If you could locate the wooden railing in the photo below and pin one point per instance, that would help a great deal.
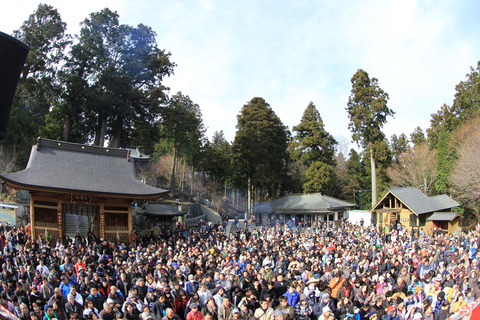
(114, 233)
(47, 229)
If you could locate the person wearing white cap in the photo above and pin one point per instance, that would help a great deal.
(278, 314)
(326, 312)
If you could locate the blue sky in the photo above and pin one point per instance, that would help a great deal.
(294, 52)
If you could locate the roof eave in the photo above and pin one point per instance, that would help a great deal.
(21, 186)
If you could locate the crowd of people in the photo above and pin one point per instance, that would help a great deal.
(323, 272)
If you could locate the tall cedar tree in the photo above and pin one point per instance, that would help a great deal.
(259, 151)
(367, 110)
(466, 106)
(398, 146)
(311, 142)
(417, 137)
(114, 77)
(216, 157)
(314, 150)
(182, 128)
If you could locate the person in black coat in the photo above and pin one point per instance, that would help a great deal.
(159, 307)
(73, 306)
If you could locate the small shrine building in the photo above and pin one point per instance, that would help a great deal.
(76, 188)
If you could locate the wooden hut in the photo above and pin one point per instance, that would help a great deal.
(413, 209)
(76, 188)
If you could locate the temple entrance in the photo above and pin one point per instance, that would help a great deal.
(79, 218)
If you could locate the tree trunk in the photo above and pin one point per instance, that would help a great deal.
(67, 127)
(96, 141)
(183, 176)
(100, 132)
(103, 129)
(374, 177)
(117, 134)
(193, 180)
(172, 177)
(249, 197)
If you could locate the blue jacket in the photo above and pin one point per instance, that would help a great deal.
(293, 298)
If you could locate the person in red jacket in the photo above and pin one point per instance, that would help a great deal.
(194, 314)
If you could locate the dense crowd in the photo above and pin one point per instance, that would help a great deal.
(324, 272)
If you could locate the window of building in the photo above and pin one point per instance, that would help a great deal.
(413, 220)
(422, 220)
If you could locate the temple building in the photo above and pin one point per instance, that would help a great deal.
(301, 210)
(76, 188)
(414, 209)
(160, 214)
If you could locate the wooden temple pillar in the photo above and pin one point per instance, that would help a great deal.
(60, 220)
(102, 221)
(32, 217)
(130, 219)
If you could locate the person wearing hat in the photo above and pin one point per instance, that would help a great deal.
(401, 309)
(145, 315)
(105, 287)
(237, 314)
(417, 316)
(194, 313)
(327, 313)
(50, 314)
(151, 298)
(278, 315)
(391, 313)
(219, 295)
(324, 302)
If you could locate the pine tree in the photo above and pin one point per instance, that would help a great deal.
(367, 110)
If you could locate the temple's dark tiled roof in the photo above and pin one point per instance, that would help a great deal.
(160, 209)
(304, 203)
(69, 167)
